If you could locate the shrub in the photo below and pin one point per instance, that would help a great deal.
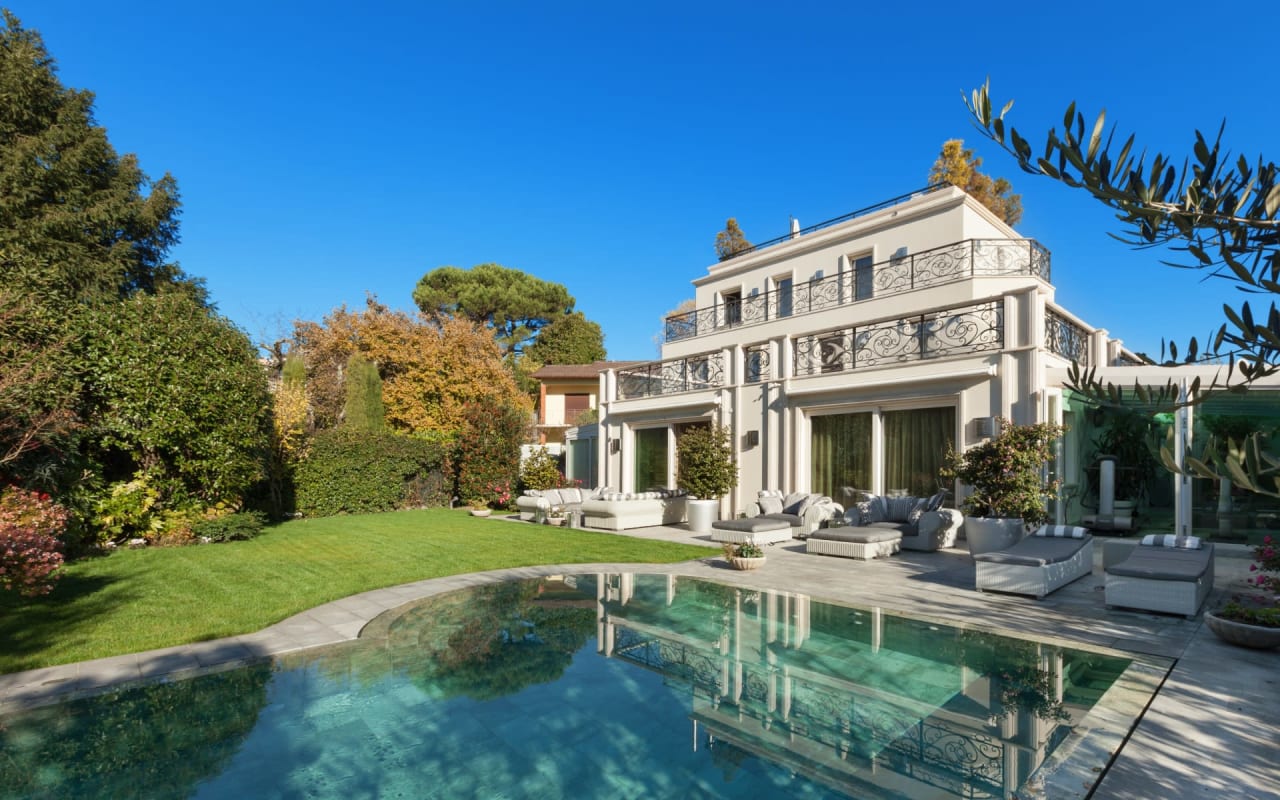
(231, 527)
(704, 462)
(351, 471)
(488, 451)
(541, 471)
(30, 552)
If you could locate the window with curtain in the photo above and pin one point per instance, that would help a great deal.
(651, 459)
(840, 455)
(915, 441)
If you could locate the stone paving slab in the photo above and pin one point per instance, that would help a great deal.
(1210, 732)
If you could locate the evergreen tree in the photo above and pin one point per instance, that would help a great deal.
(363, 410)
(90, 222)
(731, 241)
(570, 339)
(959, 167)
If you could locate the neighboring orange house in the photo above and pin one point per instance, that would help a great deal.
(565, 393)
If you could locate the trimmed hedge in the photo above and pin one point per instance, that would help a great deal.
(352, 472)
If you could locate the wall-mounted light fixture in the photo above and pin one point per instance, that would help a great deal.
(753, 439)
(615, 445)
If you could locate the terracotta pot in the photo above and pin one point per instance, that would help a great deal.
(741, 562)
(1243, 634)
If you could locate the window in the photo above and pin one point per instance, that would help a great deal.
(575, 405)
(783, 293)
(652, 465)
(863, 279)
(732, 307)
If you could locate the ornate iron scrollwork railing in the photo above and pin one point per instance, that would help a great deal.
(1064, 337)
(953, 262)
(756, 363)
(690, 374)
(965, 329)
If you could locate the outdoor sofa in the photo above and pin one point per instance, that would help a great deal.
(619, 511)
(881, 526)
(535, 504)
(1165, 573)
(1039, 564)
(805, 512)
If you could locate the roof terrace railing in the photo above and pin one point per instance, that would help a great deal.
(1066, 338)
(900, 199)
(946, 264)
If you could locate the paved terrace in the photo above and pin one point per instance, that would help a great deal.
(1212, 731)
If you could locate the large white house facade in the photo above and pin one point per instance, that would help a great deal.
(849, 356)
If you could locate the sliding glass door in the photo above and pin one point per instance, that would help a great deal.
(915, 442)
(840, 454)
(651, 466)
(912, 444)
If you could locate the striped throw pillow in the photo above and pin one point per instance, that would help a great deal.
(1062, 532)
(1171, 540)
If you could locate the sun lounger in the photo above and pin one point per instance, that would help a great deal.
(1043, 562)
(1170, 574)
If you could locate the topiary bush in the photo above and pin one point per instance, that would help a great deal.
(240, 526)
(351, 471)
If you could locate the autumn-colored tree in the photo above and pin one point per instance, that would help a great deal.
(430, 369)
(959, 167)
(731, 241)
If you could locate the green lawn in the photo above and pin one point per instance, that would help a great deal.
(135, 600)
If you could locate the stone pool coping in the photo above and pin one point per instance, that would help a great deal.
(1209, 732)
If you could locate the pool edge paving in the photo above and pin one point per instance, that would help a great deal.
(1209, 732)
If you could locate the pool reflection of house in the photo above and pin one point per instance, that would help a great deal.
(849, 355)
(855, 699)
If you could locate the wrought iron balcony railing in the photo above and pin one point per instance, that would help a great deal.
(1064, 337)
(964, 329)
(953, 262)
(693, 373)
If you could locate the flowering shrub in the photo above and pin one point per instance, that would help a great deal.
(30, 552)
(500, 493)
(1259, 609)
(1266, 558)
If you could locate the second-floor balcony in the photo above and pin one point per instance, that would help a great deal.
(954, 262)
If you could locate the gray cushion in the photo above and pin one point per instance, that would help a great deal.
(752, 525)
(904, 528)
(794, 520)
(1035, 551)
(873, 509)
(796, 503)
(770, 504)
(935, 503)
(900, 508)
(857, 535)
(1164, 564)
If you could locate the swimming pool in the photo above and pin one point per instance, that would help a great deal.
(605, 685)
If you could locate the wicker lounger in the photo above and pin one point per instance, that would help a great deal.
(852, 542)
(1171, 580)
(759, 531)
(1035, 566)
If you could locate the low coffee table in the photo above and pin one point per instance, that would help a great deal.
(854, 542)
(754, 530)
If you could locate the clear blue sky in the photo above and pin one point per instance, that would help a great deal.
(326, 150)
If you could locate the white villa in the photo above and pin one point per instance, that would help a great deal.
(848, 356)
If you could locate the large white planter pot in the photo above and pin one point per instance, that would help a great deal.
(987, 534)
(701, 513)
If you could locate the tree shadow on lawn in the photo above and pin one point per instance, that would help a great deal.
(32, 626)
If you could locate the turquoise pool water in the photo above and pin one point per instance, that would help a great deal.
(602, 685)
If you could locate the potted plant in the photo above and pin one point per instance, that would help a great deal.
(555, 515)
(479, 507)
(706, 470)
(1006, 475)
(1253, 621)
(743, 556)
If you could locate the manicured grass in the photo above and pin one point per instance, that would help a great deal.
(134, 600)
